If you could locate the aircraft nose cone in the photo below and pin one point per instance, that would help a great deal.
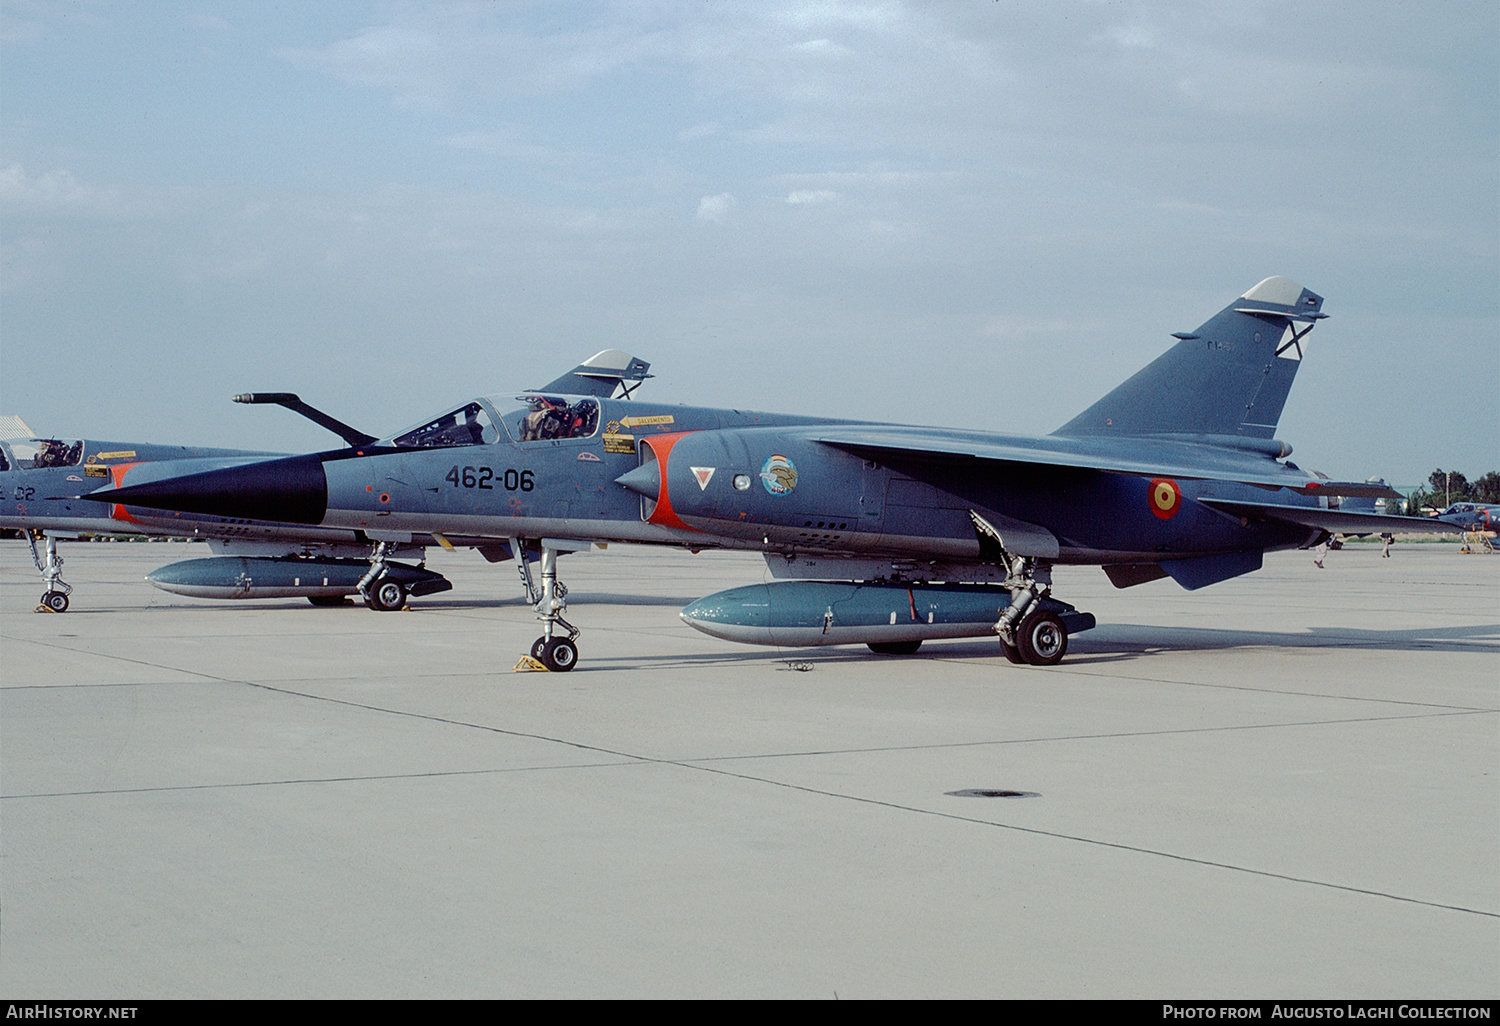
(292, 490)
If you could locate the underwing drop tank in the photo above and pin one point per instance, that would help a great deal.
(251, 577)
(885, 616)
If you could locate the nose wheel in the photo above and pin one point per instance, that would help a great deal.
(558, 654)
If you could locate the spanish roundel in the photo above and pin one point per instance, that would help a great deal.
(1166, 497)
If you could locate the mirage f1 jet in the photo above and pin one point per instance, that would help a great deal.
(881, 534)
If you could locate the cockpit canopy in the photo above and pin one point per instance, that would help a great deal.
(38, 453)
(549, 417)
(467, 425)
(538, 418)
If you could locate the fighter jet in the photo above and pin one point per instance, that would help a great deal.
(1477, 521)
(253, 558)
(881, 534)
(1475, 517)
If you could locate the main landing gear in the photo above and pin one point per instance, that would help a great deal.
(380, 592)
(55, 598)
(1031, 629)
(1029, 633)
(555, 653)
(386, 586)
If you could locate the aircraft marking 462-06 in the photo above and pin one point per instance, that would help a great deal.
(487, 478)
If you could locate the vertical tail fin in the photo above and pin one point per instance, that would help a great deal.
(1230, 377)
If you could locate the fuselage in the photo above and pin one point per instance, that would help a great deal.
(736, 479)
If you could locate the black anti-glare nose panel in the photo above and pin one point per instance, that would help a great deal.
(293, 490)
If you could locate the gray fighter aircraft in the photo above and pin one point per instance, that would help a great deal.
(1472, 516)
(880, 534)
(40, 479)
(252, 559)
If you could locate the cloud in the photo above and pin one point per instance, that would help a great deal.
(716, 209)
(820, 47)
(1022, 327)
(811, 197)
(500, 144)
(1189, 207)
(452, 56)
(57, 193)
(209, 23)
(20, 30)
(703, 131)
(1133, 37)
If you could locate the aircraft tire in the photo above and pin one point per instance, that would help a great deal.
(55, 601)
(894, 647)
(1011, 652)
(387, 596)
(1042, 639)
(538, 647)
(559, 655)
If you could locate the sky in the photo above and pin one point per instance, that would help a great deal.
(965, 212)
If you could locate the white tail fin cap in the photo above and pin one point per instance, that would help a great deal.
(1276, 289)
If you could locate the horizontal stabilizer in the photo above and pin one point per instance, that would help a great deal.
(1352, 489)
(1336, 520)
(1128, 575)
(1197, 573)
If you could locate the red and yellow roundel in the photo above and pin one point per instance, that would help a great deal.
(1166, 497)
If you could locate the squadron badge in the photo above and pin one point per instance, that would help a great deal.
(778, 475)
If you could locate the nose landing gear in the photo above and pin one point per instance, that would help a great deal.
(378, 591)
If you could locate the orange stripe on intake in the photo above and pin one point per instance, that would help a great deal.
(663, 514)
(117, 478)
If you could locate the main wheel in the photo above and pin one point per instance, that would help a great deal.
(55, 601)
(894, 647)
(1042, 639)
(1011, 652)
(387, 595)
(559, 655)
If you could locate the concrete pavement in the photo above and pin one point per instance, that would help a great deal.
(1280, 786)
